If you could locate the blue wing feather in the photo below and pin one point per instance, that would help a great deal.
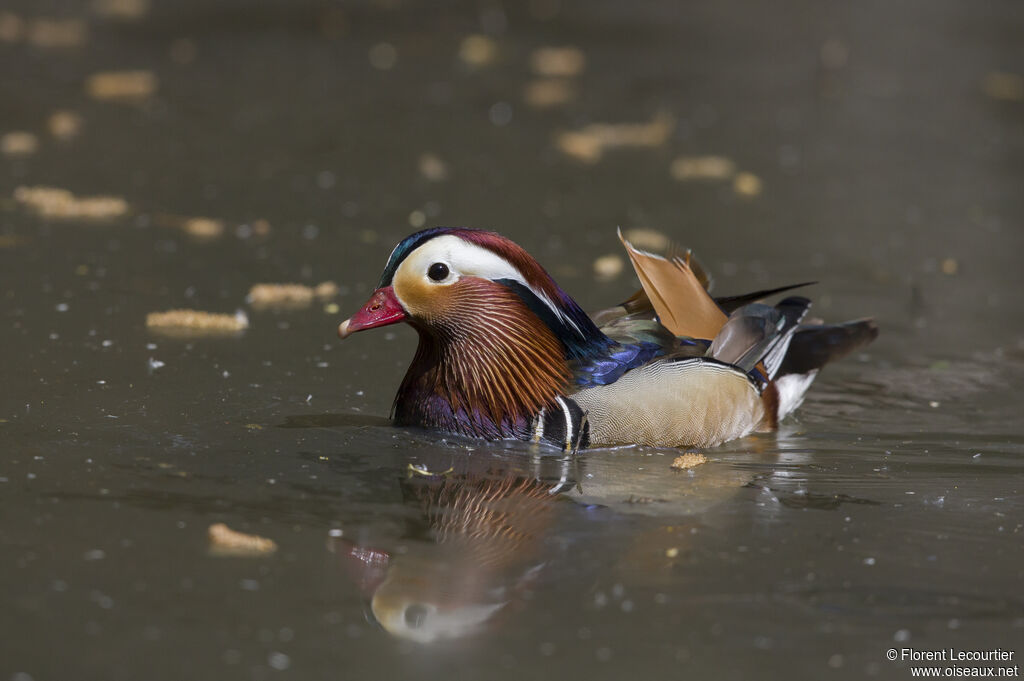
(609, 366)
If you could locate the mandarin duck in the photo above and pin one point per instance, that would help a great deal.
(505, 353)
(486, 533)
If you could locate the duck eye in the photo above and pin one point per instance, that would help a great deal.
(438, 271)
(416, 615)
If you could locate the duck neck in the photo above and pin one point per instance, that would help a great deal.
(488, 376)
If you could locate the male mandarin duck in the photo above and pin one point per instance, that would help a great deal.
(504, 353)
(487, 530)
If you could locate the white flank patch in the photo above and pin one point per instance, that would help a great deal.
(792, 388)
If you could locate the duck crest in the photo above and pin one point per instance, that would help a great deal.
(486, 374)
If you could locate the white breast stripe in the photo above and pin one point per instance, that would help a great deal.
(583, 425)
(538, 432)
(568, 423)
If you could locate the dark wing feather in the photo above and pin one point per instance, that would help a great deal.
(730, 304)
(757, 334)
(814, 345)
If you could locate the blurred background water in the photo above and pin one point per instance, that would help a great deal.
(174, 153)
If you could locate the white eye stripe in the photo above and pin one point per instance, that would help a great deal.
(467, 259)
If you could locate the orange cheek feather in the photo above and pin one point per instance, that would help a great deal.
(423, 300)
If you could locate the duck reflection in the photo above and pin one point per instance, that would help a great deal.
(484, 532)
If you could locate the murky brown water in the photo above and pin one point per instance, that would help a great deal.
(873, 147)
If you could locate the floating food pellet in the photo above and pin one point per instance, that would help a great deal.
(689, 460)
(64, 124)
(183, 51)
(478, 50)
(581, 146)
(260, 227)
(121, 85)
(57, 32)
(558, 61)
(11, 27)
(1005, 86)
(383, 56)
(417, 219)
(548, 92)
(590, 143)
(432, 167)
(51, 202)
(121, 9)
(264, 296)
(950, 266)
(672, 552)
(189, 322)
(834, 54)
(203, 228)
(702, 168)
(18, 144)
(421, 469)
(12, 240)
(326, 290)
(746, 184)
(608, 266)
(227, 542)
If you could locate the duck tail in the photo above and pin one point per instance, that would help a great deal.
(811, 347)
(815, 345)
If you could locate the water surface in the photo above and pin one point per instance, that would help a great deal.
(886, 513)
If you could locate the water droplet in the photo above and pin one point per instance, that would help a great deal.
(501, 114)
(383, 56)
(279, 661)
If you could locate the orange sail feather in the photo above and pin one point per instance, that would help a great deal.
(683, 305)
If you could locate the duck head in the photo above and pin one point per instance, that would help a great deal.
(496, 332)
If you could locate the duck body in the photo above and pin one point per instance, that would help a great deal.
(691, 402)
(504, 353)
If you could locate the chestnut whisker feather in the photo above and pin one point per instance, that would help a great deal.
(498, 364)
